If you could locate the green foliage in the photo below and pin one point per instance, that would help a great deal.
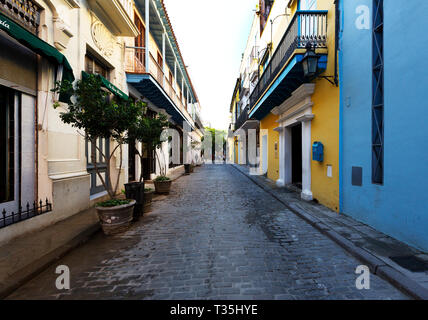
(148, 189)
(112, 203)
(91, 110)
(148, 130)
(214, 136)
(162, 179)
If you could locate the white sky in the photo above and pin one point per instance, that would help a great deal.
(212, 36)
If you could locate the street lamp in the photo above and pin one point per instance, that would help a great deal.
(310, 61)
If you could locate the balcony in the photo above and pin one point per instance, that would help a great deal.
(284, 73)
(156, 84)
(25, 12)
(118, 13)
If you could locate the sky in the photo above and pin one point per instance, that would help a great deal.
(212, 36)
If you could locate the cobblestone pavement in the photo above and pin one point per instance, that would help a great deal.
(216, 236)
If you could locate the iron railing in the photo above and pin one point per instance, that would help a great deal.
(30, 211)
(243, 117)
(24, 12)
(306, 26)
(135, 63)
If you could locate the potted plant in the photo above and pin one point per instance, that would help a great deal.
(162, 182)
(148, 198)
(148, 130)
(91, 110)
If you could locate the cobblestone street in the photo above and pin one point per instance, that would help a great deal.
(216, 236)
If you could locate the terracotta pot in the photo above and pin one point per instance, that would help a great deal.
(148, 198)
(191, 168)
(162, 187)
(116, 219)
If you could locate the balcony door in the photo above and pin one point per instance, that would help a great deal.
(140, 42)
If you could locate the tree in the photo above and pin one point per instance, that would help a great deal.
(148, 131)
(99, 116)
(217, 146)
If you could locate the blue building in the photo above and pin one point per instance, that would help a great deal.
(384, 116)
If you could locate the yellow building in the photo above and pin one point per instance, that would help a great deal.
(297, 108)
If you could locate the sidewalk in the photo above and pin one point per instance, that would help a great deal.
(374, 248)
(26, 256)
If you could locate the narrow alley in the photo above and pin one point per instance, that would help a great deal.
(216, 236)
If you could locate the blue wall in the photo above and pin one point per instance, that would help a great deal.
(400, 206)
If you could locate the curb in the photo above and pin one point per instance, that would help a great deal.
(35, 268)
(376, 265)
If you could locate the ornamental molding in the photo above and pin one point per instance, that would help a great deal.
(102, 38)
(302, 95)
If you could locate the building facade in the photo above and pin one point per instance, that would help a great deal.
(292, 110)
(156, 74)
(54, 40)
(383, 111)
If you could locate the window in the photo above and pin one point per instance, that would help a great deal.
(95, 149)
(7, 143)
(170, 77)
(378, 94)
(265, 8)
(160, 60)
(308, 4)
(95, 67)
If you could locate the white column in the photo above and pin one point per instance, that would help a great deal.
(147, 21)
(306, 160)
(182, 88)
(288, 173)
(163, 57)
(175, 75)
(281, 181)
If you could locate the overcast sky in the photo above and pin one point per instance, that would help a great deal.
(212, 36)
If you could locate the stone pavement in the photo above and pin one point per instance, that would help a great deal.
(216, 236)
(381, 250)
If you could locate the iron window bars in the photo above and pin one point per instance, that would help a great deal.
(378, 95)
(36, 209)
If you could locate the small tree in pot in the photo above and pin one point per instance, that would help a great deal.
(99, 116)
(148, 130)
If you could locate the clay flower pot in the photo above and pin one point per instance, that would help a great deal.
(116, 219)
(162, 187)
(148, 198)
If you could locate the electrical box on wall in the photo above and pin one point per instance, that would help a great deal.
(318, 151)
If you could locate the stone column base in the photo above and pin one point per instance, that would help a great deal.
(307, 195)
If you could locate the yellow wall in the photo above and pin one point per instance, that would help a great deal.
(269, 123)
(325, 125)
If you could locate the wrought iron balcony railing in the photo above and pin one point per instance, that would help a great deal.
(24, 12)
(243, 117)
(306, 26)
(135, 63)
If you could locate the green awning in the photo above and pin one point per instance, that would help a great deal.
(38, 46)
(110, 86)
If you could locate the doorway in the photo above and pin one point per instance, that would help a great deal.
(296, 155)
